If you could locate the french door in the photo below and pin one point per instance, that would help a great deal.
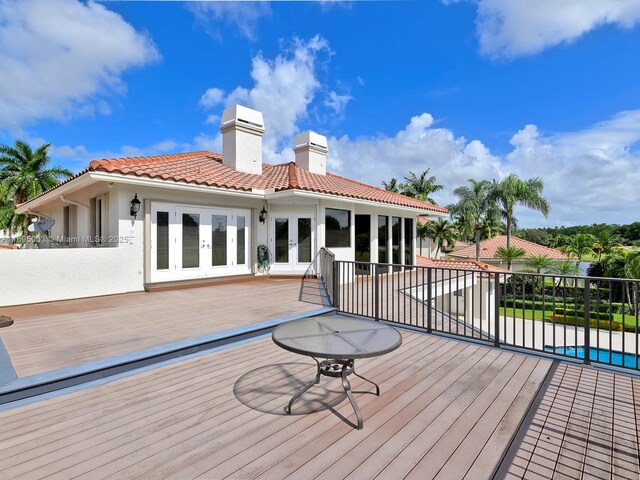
(292, 241)
(196, 242)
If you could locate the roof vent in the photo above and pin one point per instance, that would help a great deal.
(311, 152)
(242, 130)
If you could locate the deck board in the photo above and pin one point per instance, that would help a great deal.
(62, 334)
(586, 426)
(221, 415)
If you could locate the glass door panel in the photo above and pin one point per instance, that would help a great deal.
(304, 240)
(219, 240)
(162, 241)
(190, 240)
(241, 241)
(282, 240)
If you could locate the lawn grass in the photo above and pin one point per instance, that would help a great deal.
(538, 315)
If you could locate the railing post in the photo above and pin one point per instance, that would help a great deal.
(587, 322)
(429, 300)
(376, 292)
(496, 333)
(336, 285)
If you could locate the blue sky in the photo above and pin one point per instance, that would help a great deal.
(470, 89)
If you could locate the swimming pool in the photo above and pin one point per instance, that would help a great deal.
(600, 355)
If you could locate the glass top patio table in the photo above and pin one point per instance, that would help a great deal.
(338, 337)
(341, 340)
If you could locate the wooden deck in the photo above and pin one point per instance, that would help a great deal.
(447, 410)
(585, 426)
(56, 335)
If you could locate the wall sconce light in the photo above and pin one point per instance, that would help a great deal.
(263, 215)
(135, 206)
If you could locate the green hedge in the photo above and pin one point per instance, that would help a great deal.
(579, 322)
(602, 307)
(580, 313)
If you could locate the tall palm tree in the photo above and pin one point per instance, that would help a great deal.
(421, 186)
(513, 191)
(441, 231)
(463, 224)
(9, 220)
(509, 254)
(24, 173)
(392, 185)
(474, 204)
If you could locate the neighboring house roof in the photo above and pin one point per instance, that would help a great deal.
(489, 247)
(206, 168)
(459, 244)
(474, 265)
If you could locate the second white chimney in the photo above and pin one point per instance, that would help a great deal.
(311, 152)
(242, 130)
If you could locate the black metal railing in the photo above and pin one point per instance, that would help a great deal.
(584, 318)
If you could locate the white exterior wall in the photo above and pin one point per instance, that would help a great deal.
(43, 275)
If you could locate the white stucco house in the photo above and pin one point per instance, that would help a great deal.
(203, 215)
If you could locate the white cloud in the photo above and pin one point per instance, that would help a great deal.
(508, 28)
(283, 90)
(338, 103)
(59, 58)
(212, 97)
(415, 148)
(590, 175)
(242, 15)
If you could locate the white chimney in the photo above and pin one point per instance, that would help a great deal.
(242, 130)
(311, 152)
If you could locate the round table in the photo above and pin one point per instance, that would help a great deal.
(340, 340)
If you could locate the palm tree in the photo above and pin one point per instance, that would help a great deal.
(509, 254)
(513, 191)
(24, 173)
(423, 230)
(9, 220)
(421, 186)
(580, 245)
(605, 244)
(539, 263)
(560, 241)
(392, 185)
(441, 231)
(463, 224)
(474, 204)
(565, 268)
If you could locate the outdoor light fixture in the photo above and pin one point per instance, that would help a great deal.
(263, 215)
(135, 206)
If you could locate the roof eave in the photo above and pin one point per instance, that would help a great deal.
(77, 183)
(343, 198)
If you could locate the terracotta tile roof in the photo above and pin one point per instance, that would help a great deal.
(458, 264)
(206, 168)
(488, 249)
(8, 247)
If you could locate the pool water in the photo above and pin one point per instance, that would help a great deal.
(604, 356)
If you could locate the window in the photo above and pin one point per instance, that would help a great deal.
(408, 241)
(219, 240)
(337, 228)
(395, 239)
(162, 241)
(240, 247)
(190, 240)
(383, 238)
(363, 238)
(99, 215)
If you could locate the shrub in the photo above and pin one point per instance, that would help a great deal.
(579, 322)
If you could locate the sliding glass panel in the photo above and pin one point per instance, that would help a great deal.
(304, 240)
(408, 241)
(162, 241)
(219, 240)
(190, 240)
(242, 233)
(395, 241)
(282, 240)
(383, 238)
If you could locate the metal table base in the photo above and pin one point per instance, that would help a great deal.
(337, 369)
